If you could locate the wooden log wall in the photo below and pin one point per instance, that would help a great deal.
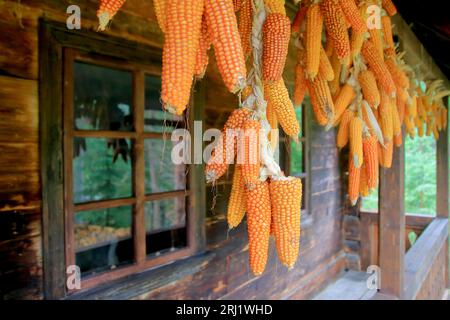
(224, 274)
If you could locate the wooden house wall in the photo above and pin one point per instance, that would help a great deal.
(225, 274)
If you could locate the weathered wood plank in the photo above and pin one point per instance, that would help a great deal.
(392, 225)
(18, 112)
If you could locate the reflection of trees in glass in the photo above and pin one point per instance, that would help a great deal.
(97, 176)
(165, 214)
(102, 98)
(420, 177)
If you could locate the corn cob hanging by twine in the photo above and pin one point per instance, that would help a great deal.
(236, 203)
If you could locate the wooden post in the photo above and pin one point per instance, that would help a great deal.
(442, 192)
(392, 225)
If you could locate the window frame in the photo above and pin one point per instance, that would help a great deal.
(58, 49)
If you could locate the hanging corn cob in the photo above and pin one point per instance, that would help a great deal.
(275, 6)
(245, 26)
(279, 99)
(227, 43)
(179, 57)
(202, 58)
(251, 164)
(369, 88)
(107, 11)
(258, 225)
(286, 197)
(389, 6)
(354, 176)
(352, 15)
(314, 23)
(336, 28)
(160, 11)
(370, 152)
(236, 203)
(276, 31)
(356, 137)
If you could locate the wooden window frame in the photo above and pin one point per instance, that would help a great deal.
(58, 47)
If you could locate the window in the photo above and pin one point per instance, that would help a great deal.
(126, 203)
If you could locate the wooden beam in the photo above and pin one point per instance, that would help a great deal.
(392, 225)
(416, 55)
(442, 172)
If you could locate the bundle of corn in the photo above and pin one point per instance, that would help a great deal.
(107, 10)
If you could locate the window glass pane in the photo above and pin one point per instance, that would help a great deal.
(156, 119)
(420, 175)
(161, 174)
(101, 169)
(103, 239)
(102, 98)
(165, 214)
(165, 223)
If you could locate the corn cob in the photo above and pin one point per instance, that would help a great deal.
(314, 23)
(336, 28)
(277, 33)
(325, 67)
(352, 15)
(273, 122)
(343, 100)
(298, 19)
(356, 137)
(160, 11)
(337, 67)
(323, 95)
(379, 68)
(399, 77)
(371, 160)
(369, 88)
(236, 203)
(252, 164)
(279, 98)
(387, 122)
(328, 46)
(409, 126)
(258, 225)
(217, 166)
(396, 122)
(356, 41)
(354, 176)
(363, 184)
(343, 131)
(389, 6)
(245, 26)
(286, 198)
(275, 6)
(419, 125)
(387, 34)
(227, 43)
(375, 38)
(107, 11)
(179, 56)
(319, 113)
(202, 58)
(300, 86)
(386, 154)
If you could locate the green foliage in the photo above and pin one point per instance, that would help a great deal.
(420, 177)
